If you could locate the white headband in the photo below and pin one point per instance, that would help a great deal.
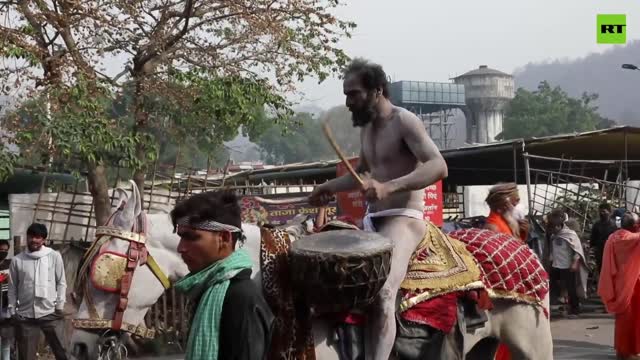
(208, 225)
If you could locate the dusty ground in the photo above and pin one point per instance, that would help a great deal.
(588, 338)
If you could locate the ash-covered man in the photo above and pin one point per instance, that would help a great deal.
(37, 293)
(232, 319)
(399, 160)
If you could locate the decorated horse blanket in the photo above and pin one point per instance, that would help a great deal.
(479, 263)
(510, 270)
(440, 265)
(292, 336)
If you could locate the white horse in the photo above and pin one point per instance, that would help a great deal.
(524, 328)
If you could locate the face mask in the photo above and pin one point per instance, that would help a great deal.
(3, 255)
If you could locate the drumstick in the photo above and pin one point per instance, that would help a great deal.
(334, 145)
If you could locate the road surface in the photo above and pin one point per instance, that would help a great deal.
(588, 338)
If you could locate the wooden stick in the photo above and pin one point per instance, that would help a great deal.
(334, 145)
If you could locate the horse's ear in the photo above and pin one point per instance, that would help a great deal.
(130, 207)
(136, 198)
(123, 198)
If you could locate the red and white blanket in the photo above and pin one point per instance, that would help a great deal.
(509, 268)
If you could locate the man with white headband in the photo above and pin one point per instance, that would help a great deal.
(232, 320)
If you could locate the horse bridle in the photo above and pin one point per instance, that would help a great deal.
(137, 255)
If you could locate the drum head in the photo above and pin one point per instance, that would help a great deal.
(342, 243)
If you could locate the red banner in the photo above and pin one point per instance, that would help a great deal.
(354, 205)
(433, 203)
(256, 213)
(351, 203)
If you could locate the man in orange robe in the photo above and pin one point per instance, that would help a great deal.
(502, 200)
(619, 285)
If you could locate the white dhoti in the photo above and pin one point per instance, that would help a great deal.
(367, 222)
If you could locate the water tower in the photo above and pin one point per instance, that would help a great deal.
(487, 92)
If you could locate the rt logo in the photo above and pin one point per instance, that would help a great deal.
(612, 29)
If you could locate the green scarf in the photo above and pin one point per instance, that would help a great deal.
(210, 285)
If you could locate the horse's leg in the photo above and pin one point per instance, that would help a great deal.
(525, 329)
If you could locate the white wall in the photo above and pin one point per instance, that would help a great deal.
(475, 205)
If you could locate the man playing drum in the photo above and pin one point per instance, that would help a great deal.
(398, 160)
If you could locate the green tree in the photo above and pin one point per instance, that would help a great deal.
(229, 50)
(550, 111)
(303, 141)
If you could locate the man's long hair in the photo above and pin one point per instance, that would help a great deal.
(371, 75)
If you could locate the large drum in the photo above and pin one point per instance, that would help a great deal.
(342, 270)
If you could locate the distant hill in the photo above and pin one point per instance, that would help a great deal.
(619, 89)
(619, 92)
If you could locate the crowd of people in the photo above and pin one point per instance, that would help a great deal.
(614, 241)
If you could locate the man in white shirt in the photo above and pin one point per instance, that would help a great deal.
(37, 291)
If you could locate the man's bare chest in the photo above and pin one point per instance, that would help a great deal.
(383, 146)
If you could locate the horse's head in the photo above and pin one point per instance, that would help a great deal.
(132, 240)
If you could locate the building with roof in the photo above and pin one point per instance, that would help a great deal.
(487, 93)
(481, 94)
(433, 102)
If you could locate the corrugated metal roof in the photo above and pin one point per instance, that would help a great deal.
(485, 164)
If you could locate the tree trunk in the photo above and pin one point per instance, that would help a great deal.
(141, 118)
(138, 177)
(100, 191)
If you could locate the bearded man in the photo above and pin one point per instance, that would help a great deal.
(502, 201)
(400, 161)
(619, 285)
(503, 218)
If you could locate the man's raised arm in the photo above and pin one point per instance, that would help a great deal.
(321, 194)
(431, 165)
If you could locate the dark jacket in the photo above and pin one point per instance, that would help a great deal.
(600, 233)
(4, 266)
(246, 323)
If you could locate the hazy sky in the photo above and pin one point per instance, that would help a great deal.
(436, 40)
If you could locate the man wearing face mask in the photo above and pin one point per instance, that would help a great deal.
(503, 218)
(37, 295)
(6, 333)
